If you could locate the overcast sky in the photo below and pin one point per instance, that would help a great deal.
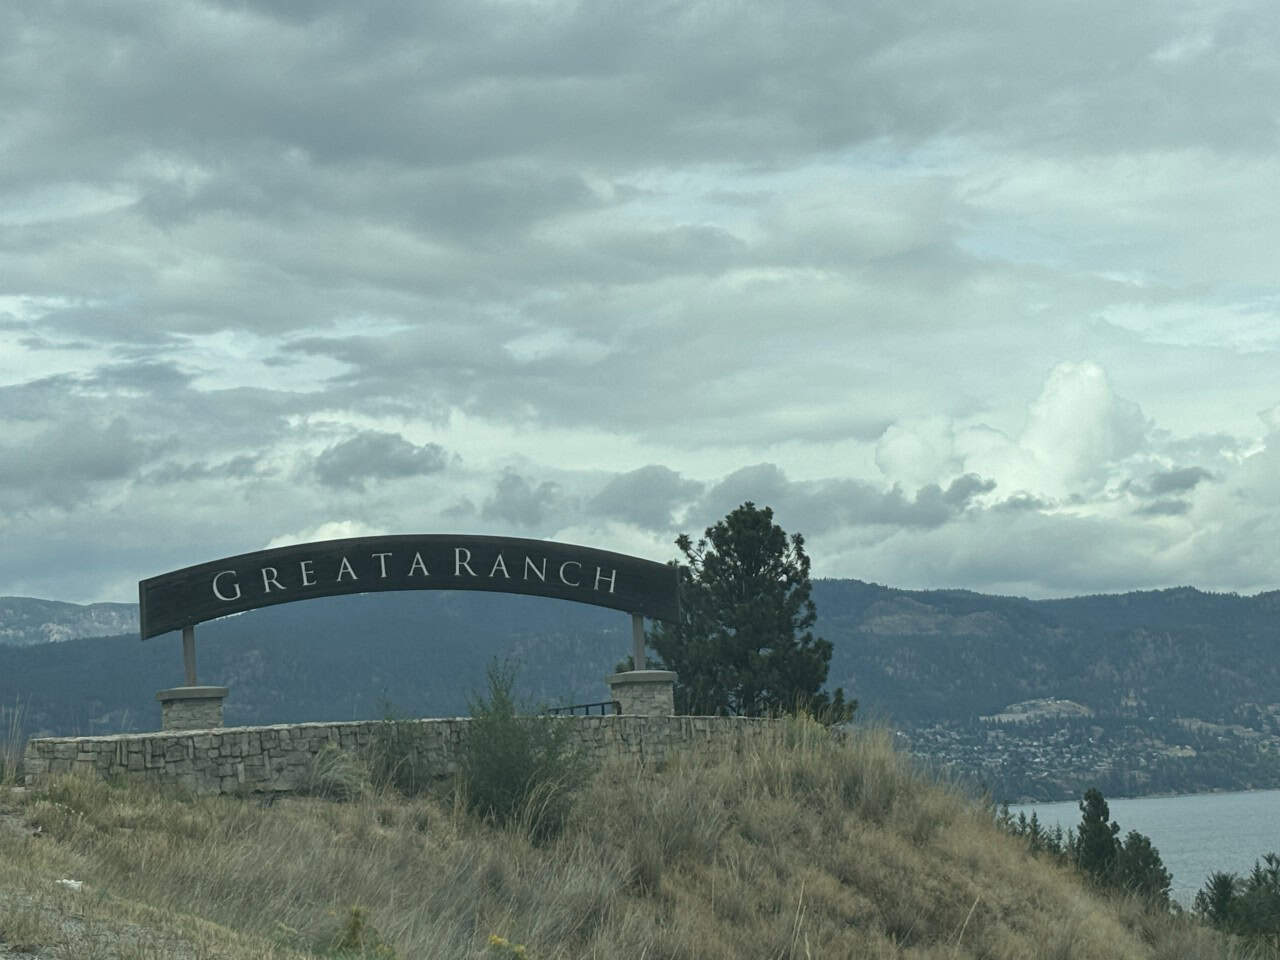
(973, 295)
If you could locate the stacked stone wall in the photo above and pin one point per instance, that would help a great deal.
(644, 693)
(279, 757)
(191, 714)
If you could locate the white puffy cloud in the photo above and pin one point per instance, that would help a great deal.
(1078, 427)
(918, 451)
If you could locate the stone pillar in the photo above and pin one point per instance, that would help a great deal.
(191, 708)
(644, 693)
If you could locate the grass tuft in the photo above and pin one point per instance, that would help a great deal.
(336, 774)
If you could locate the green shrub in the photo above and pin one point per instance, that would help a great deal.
(1248, 906)
(518, 770)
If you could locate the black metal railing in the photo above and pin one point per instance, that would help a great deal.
(606, 707)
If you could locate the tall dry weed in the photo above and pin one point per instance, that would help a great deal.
(13, 742)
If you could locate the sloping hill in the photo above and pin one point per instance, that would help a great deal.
(802, 848)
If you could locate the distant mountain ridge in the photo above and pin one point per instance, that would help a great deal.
(917, 655)
(946, 654)
(1179, 689)
(27, 620)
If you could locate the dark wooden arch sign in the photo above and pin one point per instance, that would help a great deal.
(181, 599)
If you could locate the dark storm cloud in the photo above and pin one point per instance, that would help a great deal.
(1176, 481)
(817, 506)
(961, 490)
(519, 501)
(1021, 501)
(646, 497)
(374, 455)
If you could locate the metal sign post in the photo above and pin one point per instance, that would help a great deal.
(189, 654)
(638, 661)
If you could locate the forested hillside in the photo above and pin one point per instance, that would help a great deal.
(937, 655)
(1177, 688)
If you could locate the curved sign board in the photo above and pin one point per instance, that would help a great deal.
(540, 568)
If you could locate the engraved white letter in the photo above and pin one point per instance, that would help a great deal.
(305, 567)
(542, 574)
(499, 564)
(613, 575)
(268, 578)
(565, 580)
(382, 563)
(459, 561)
(218, 593)
(418, 565)
(346, 566)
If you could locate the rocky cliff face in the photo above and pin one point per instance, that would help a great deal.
(25, 620)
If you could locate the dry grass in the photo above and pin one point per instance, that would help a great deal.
(802, 848)
(12, 743)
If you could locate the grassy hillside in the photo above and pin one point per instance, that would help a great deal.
(803, 848)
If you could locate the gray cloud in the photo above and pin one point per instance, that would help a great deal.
(373, 455)
(62, 464)
(581, 237)
(237, 468)
(646, 497)
(1021, 501)
(36, 342)
(818, 506)
(1176, 481)
(519, 501)
(1164, 508)
(507, 81)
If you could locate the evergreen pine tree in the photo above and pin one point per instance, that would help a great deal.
(744, 644)
(1096, 843)
(1139, 870)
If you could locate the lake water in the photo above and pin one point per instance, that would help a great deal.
(1195, 834)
